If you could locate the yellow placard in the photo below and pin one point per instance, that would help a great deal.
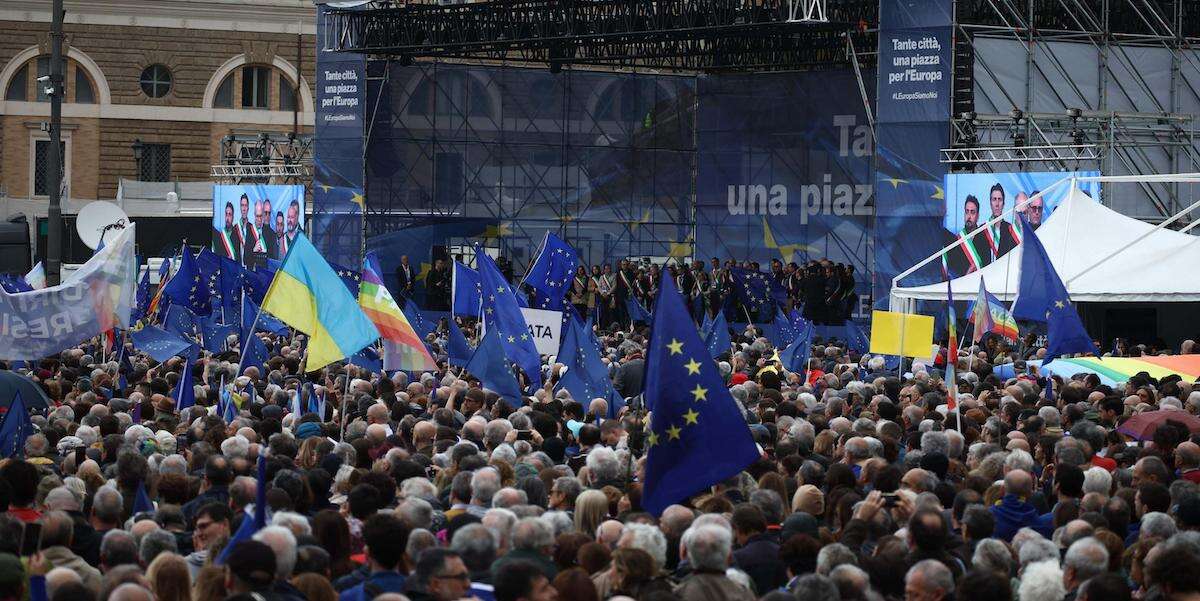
(904, 334)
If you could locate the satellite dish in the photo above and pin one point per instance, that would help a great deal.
(98, 218)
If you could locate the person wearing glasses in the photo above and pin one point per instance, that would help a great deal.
(441, 575)
(1035, 210)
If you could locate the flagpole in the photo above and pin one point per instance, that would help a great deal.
(345, 400)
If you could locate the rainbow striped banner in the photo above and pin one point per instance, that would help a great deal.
(1117, 370)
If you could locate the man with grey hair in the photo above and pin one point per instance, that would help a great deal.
(815, 587)
(708, 549)
(508, 497)
(603, 467)
(532, 542)
(57, 533)
(154, 543)
(484, 484)
(477, 546)
(832, 556)
(1086, 558)
(1042, 581)
(416, 513)
(117, 548)
(852, 582)
(283, 543)
(928, 580)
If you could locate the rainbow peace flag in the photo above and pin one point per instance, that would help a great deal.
(308, 295)
(1116, 370)
(989, 315)
(403, 348)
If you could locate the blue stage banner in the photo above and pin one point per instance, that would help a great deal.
(784, 169)
(912, 126)
(338, 194)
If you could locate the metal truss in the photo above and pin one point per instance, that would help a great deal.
(265, 157)
(1135, 123)
(680, 35)
(1021, 154)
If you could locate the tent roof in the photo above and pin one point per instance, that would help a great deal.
(1098, 255)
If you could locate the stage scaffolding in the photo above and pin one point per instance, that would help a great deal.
(1108, 85)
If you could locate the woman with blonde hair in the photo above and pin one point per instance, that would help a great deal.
(169, 578)
(307, 455)
(591, 508)
(209, 584)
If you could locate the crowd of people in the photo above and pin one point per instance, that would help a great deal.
(428, 486)
(824, 290)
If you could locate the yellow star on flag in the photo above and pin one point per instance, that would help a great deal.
(425, 269)
(511, 340)
(691, 416)
(1059, 304)
(359, 200)
(325, 188)
(652, 439)
(676, 347)
(693, 367)
(700, 393)
(673, 432)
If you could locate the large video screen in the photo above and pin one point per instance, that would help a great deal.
(253, 223)
(974, 198)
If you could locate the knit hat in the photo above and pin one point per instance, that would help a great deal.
(308, 430)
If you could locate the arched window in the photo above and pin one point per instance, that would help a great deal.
(24, 86)
(255, 86)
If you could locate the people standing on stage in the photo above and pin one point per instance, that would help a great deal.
(578, 294)
(606, 286)
(699, 297)
(437, 287)
(404, 280)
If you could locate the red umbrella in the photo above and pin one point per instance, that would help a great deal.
(1143, 425)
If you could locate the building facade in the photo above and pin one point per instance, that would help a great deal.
(163, 80)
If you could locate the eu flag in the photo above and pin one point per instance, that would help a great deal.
(417, 320)
(254, 352)
(552, 272)
(717, 339)
(256, 282)
(1041, 296)
(757, 290)
(637, 313)
(188, 286)
(787, 327)
(350, 277)
(586, 377)
(15, 427)
(465, 295)
(215, 334)
(250, 526)
(698, 437)
(369, 359)
(184, 393)
(143, 297)
(266, 322)
(183, 322)
(457, 349)
(159, 343)
(502, 312)
(794, 356)
(490, 364)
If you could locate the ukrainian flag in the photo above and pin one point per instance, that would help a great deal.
(308, 295)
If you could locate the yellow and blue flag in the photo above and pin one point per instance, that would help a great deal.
(698, 437)
(308, 295)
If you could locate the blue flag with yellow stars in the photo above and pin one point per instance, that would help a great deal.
(1042, 296)
(188, 286)
(15, 427)
(587, 377)
(551, 273)
(502, 311)
(457, 350)
(717, 339)
(757, 290)
(490, 364)
(698, 437)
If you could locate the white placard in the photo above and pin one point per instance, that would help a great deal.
(546, 329)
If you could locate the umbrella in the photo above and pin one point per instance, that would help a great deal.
(1143, 425)
(31, 394)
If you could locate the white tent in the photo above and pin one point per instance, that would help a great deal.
(1101, 256)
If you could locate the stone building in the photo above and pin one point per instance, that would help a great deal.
(165, 80)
